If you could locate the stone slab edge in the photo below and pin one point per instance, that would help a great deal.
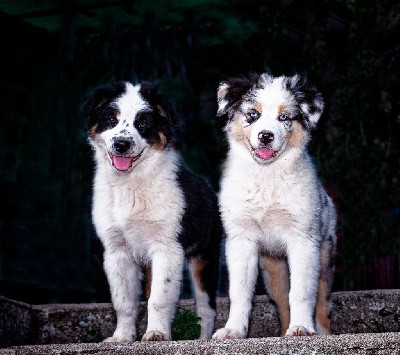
(374, 311)
(355, 344)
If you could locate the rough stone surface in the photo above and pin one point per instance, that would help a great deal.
(15, 323)
(376, 311)
(354, 344)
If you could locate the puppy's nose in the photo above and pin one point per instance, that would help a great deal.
(122, 146)
(265, 137)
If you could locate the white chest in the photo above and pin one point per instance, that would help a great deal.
(139, 212)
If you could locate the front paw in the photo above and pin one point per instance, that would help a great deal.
(119, 339)
(299, 330)
(155, 335)
(227, 333)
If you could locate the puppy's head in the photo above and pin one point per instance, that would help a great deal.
(268, 115)
(127, 122)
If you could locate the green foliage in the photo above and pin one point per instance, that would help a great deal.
(185, 326)
(92, 334)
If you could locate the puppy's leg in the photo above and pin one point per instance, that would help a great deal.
(242, 261)
(323, 308)
(204, 278)
(123, 275)
(166, 277)
(276, 277)
(304, 266)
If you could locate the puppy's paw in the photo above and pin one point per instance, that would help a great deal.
(299, 330)
(227, 333)
(119, 339)
(154, 335)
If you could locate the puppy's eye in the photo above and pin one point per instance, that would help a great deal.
(283, 116)
(113, 121)
(142, 124)
(252, 116)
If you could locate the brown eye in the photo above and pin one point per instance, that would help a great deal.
(113, 121)
(142, 124)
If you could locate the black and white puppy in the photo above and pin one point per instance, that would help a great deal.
(274, 209)
(149, 211)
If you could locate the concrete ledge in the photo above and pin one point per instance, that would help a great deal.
(376, 311)
(360, 344)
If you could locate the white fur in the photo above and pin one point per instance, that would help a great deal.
(137, 216)
(138, 220)
(271, 207)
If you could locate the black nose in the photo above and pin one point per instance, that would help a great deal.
(265, 137)
(122, 146)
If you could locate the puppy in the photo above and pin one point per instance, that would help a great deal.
(149, 211)
(274, 210)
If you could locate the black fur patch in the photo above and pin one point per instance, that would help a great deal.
(304, 93)
(97, 106)
(201, 228)
(161, 119)
(237, 88)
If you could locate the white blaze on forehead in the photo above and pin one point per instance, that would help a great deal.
(270, 101)
(130, 102)
(128, 105)
(273, 96)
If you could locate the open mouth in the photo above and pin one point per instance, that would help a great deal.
(124, 163)
(264, 153)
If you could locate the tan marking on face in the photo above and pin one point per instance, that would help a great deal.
(92, 131)
(198, 266)
(281, 108)
(278, 287)
(297, 137)
(148, 278)
(258, 107)
(239, 133)
(160, 145)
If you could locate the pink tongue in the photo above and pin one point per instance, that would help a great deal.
(122, 163)
(265, 153)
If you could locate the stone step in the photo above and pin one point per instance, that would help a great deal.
(375, 311)
(345, 344)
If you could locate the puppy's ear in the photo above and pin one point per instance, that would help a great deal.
(161, 102)
(310, 101)
(222, 100)
(232, 91)
(101, 97)
(94, 101)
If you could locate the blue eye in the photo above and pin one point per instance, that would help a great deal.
(283, 117)
(252, 116)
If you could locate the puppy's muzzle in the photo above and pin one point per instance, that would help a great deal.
(122, 145)
(265, 137)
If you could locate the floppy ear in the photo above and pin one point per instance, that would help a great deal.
(161, 102)
(100, 97)
(231, 92)
(222, 100)
(310, 101)
(94, 101)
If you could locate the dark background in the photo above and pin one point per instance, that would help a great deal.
(53, 53)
